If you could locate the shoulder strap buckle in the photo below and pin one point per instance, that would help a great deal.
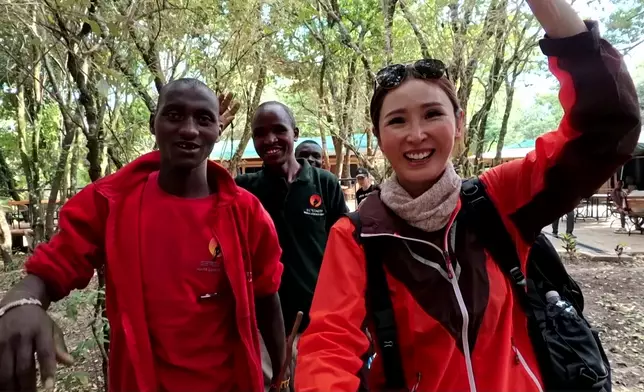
(518, 277)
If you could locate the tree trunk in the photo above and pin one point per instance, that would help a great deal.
(459, 27)
(94, 157)
(100, 326)
(64, 186)
(494, 84)
(368, 122)
(6, 261)
(7, 179)
(480, 118)
(322, 109)
(338, 144)
(495, 22)
(422, 42)
(344, 125)
(56, 184)
(21, 122)
(250, 112)
(73, 165)
(37, 217)
(389, 9)
(467, 80)
(79, 69)
(466, 76)
(509, 99)
(346, 165)
(33, 187)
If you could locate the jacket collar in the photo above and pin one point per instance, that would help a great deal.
(377, 218)
(121, 183)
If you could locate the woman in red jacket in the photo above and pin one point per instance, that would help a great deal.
(459, 326)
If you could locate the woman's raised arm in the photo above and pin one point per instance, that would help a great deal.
(597, 134)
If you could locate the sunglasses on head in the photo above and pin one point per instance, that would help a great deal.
(393, 75)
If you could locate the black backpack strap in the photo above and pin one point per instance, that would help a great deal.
(380, 307)
(488, 225)
(354, 217)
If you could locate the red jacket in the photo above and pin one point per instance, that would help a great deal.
(99, 227)
(459, 325)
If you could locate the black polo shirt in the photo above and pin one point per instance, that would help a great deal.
(362, 194)
(303, 213)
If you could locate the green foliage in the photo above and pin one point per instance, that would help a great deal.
(619, 249)
(223, 43)
(626, 23)
(570, 246)
(540, 117)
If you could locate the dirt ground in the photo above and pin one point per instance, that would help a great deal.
(614, 297)
(614, 305)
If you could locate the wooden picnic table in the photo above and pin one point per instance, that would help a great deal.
(635, 201)
(19, 215)
(590, 207)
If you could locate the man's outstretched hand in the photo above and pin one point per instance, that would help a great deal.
(26, 330)
(228, 108)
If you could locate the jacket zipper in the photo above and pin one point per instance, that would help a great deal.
(456, 289)
(415, 387)
(461, 304)
(523, 363)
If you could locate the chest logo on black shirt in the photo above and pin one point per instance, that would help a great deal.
(315, 201)
(315, 206)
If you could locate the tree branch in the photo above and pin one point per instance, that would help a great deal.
(424, 47)
(347, 40)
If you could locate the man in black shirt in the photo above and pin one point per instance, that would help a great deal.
(570, 225)
(366, 187)
(311, 151)
(303, 201)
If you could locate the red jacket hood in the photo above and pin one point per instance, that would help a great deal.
(120, 183)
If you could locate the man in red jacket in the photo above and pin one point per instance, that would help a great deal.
(191, 260)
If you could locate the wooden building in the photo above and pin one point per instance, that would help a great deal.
(632, 171)
(251, 162)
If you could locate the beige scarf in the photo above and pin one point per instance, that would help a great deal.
(430, 211)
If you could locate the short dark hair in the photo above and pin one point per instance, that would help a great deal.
(288, 111)
(309, 141)
(190, 82)
(304, 143)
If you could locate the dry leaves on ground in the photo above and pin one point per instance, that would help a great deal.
(614, 306)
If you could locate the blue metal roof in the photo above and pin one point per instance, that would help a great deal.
(528, 143)
(225, 149)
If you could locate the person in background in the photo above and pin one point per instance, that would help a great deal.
(303, 201)
(570, 225)
(179, 242)
(630, 184)
(620, 198)
(458, 326)
(365, 184)
(311, 151)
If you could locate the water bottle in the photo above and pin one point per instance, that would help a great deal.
(554, 299)
(370, 360)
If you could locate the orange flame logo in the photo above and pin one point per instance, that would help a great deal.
(315, 201)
